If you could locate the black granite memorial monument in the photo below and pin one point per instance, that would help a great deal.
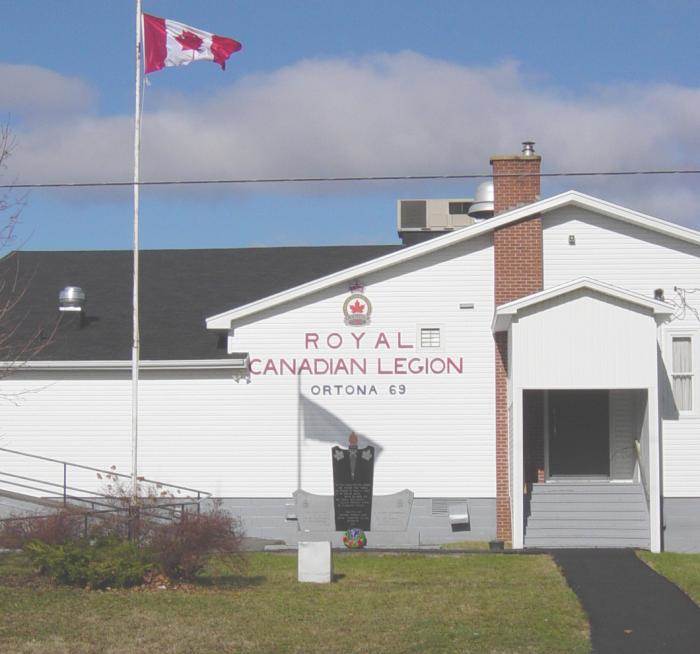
(353, 477)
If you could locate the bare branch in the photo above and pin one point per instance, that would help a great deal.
(21, 339)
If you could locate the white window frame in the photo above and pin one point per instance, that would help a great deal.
(429, 348)
(694, 337)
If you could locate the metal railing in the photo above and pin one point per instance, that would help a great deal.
(66, 464)
(160, 505)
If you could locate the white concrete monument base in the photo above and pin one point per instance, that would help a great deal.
(315, 562)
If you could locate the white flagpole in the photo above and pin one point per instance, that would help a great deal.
(135, 350)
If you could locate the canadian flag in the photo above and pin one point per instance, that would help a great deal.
(169, 43)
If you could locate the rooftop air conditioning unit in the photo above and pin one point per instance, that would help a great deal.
(433, 215)
(420, 220)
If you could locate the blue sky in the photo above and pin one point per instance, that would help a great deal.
(325, 88)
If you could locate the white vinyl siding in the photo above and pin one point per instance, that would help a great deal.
(626, 418)
(438, 437)
(682, 372)
(584, 339)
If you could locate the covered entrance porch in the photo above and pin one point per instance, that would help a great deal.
(583, 434)
(583, 444)
(582, 468)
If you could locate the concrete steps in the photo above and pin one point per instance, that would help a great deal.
(588, 541)
(590, 489)
(586, 514)
(546, 524)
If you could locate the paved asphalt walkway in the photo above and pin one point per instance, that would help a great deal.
(631, 608)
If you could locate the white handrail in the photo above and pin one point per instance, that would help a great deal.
(642, 473)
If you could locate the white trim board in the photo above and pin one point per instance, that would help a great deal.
(569, 198)
(184, 364)
(505, 312)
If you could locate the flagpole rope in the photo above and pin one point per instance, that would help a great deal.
(365, 178)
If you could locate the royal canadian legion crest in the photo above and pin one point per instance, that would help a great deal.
(357, 308)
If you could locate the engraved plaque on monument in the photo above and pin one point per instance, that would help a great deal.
(314, 512)
(392, 512)
(353, 475)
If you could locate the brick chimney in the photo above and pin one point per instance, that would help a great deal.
(517, 246)
(511, 191)
(517, 273)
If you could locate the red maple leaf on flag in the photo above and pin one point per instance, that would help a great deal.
(189, 40)
(357, 307)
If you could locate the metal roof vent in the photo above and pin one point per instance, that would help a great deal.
(482, 207)
(71, 298)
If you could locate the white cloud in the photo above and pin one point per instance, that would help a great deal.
(31, 91)
(384, 114)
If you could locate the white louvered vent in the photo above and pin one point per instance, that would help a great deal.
(441, 505)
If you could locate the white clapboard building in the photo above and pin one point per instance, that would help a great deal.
(526, 369)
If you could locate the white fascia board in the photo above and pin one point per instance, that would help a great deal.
(505, 312)
(568, 198)
(166, 364)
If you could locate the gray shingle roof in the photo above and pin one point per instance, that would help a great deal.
(179, 289)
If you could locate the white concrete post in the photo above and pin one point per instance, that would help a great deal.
(517, 519)
(654, 469)
(315, 563)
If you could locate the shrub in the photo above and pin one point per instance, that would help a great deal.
(182, 549)
(55, 528)
(101, 563)
(100, 555)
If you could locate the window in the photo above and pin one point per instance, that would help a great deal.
(430, 337)
(682, 372)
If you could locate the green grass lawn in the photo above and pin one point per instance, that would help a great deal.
(682, 569)
(466, 545)
(379, 603)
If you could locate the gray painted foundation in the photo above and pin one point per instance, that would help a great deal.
(681, 519)
(268, 518)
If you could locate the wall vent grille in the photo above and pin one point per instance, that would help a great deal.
(441, 505)
(413, 214)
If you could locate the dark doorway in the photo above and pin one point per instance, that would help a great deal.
(579, 433)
